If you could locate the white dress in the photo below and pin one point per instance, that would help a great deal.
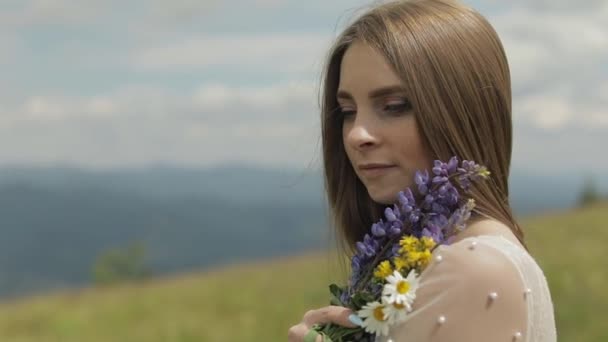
(480, 289)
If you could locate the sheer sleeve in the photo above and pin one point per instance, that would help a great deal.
(470, 292)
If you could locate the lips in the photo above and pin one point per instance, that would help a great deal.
(372, 166)
(375, 170)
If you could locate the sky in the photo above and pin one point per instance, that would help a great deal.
(108, 83)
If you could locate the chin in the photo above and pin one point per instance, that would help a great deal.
(385, 198)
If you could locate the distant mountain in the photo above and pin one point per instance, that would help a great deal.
(232, 182)
(55, 221)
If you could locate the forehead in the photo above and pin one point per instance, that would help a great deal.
(364, 68)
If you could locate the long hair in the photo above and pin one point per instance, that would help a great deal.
(452, 63)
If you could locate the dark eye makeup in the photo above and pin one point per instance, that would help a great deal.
(398, 107)
(393, 107)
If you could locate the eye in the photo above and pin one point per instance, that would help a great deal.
(346, 111)
(398, 106)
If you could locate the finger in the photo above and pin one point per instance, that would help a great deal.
(329, 314)
(297, 333)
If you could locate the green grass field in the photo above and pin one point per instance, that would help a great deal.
(260, 301)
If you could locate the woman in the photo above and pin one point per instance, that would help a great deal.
(409, 82)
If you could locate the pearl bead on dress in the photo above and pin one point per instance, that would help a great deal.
(441, 319)
(493, 295)
(473, 245)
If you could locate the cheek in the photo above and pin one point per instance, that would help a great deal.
(410, 147)
(345, 142)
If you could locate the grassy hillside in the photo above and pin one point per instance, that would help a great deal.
(259, 301)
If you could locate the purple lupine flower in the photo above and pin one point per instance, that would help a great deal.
(439, 208)
(390, 215)
(378, 230)
(441, 221)
(361, 247)
(457, 220)
(422, 180)
(440, 179)
(440, 168)
(407, 209)
(433, 232)
(410, 196)
(452, 164)
(403, 200)
(407, 201)
(397, 213)
(467, 166)
(415, 215)
(356, 264)
(470, 171)
(395, 229)
(369, 246)
(452, 196)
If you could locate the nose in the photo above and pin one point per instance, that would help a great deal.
(361, 134)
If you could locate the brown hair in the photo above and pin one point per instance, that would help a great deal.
(453, 65)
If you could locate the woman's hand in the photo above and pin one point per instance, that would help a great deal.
(329, 314)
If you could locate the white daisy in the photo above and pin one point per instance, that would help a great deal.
(397, 313)
(401, 290)
(375, 318)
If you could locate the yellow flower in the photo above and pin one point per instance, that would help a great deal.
(428, 242)
(383, 270)
(400, 263)
(483, 172)
(408, 242)
(424, 258)
(413, 257)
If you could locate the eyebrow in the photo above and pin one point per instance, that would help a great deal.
(343, 94)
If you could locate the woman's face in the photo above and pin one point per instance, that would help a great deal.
(379, 132)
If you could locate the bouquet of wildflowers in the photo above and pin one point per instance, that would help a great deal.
(388, 263)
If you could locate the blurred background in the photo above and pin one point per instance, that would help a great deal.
(160, 167)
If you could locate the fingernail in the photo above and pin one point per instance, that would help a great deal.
(355, 320)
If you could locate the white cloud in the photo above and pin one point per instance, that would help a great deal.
(555, 5)
(277, 124)
(294, 101)
(272, 52)
(11, 47)
(555, 57)
(565, 149)
(599, 118)
(558, 108)
(543, 44)
(547, 112)
(179, 10)
(54, 12)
